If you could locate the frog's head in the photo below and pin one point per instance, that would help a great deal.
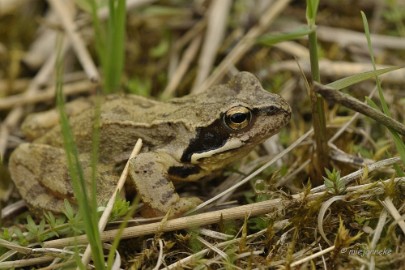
(238, 116)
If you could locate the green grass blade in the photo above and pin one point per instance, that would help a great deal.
(121, 228)
(115, 45)
(397, 139)
(311, 11)
(95, 147)
(356, 78)
(271, 39)
(98, 32)
(87, 210)
(110, 44)
(400, 145)
(371, 52)
(317, 104)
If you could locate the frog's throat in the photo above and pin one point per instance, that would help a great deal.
(229, 145)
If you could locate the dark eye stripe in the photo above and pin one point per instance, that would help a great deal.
(207, 138)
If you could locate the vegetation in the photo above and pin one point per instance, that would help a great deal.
(326, 192)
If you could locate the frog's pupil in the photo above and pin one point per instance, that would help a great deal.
(238, 117)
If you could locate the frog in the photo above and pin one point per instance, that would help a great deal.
(185, 139)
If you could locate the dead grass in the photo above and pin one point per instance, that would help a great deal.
(265, 215)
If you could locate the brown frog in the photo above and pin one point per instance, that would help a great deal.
(185, 139)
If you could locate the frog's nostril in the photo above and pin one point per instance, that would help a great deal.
(271, 110)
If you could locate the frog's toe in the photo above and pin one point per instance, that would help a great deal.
(184, 205)
(177, 209)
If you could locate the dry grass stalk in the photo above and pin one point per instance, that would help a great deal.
(345, 37)
(361, 107)
(217, 18)
(198, 220)
(201, 253)
(338, 69)
(77, 42)
(188, 56)
(46, 95)
(245, 43)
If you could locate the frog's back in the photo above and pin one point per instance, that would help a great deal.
(123, 108)
(124, 119)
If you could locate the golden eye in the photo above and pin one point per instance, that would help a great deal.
(237, 118)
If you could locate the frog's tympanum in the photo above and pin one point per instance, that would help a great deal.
(184, 139)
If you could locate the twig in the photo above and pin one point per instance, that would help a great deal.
(47, 94)
(346, 37)
(15, 247)
(313, 256)
(294, 49)
(239, 212)
(11, 210)
(188, 56)
(180, 43)
(358, 106)
(25, 262)
(376, 236)
(394, 213)
(82, 53)
(354, 175)
(160, 258)
(337, 69)
(213, 248)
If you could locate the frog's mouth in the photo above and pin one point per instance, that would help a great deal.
(230, 144)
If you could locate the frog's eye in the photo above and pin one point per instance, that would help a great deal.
(237, 118)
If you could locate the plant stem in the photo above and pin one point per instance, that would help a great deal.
(317, 104)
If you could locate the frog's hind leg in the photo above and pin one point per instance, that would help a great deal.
(32, 164)
(149, 173)
(41, 175)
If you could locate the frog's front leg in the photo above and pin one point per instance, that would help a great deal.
(149, 173)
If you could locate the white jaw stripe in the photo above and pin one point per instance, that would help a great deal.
(229, 145)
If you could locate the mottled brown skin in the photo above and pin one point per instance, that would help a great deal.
(184, 139)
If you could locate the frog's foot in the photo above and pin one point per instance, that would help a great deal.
(184, 205)
(177, 209)
(149, 173)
